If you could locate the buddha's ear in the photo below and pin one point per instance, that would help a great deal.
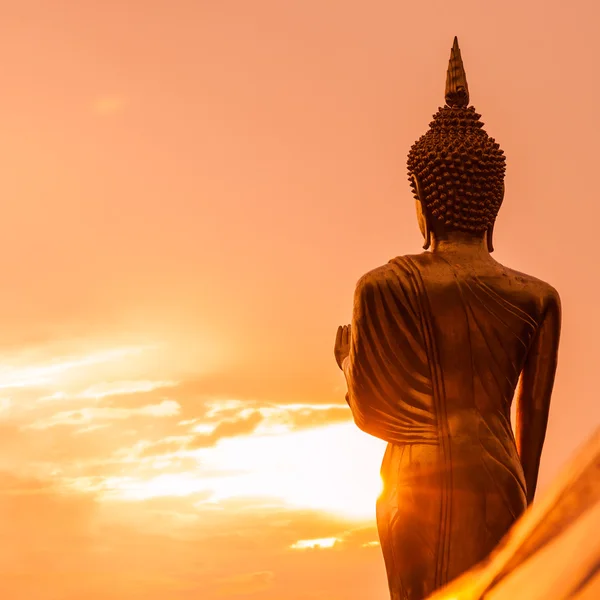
(422, 214)
(490, 238)
(418, 188)
(490, 231)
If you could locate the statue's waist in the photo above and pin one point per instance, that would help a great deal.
(472, 424)
(458, 427)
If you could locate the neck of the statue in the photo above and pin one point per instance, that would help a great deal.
(458, 242)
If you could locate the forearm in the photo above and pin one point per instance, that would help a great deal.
(346, 367)
(359, 409)
(363, 411)
(531, 433)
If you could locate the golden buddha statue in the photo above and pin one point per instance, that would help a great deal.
(439, 345)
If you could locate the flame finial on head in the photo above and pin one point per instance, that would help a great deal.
(457, 90)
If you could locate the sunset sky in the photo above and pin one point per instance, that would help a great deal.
(190, 191)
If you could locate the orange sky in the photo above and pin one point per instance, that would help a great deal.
(190, 191)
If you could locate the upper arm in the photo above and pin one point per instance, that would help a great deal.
(537, 377)
(362, 293)
(363, 287)
(535, 391)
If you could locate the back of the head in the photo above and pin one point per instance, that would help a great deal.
(456, 170)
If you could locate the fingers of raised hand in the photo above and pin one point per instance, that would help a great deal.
(339, 336)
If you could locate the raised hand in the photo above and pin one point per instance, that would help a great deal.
(342, 344)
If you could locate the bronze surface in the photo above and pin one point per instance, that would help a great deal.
(439, 345)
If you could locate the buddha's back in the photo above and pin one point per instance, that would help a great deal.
(484, 319)
(478, 323)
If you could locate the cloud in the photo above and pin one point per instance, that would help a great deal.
(215, 408)
(363, 537)
(98, 391)
(314, 415)
(228, 428)
(167, 408)
(249, 387)
(49, 372)
(90, 428)
(164, 447)
(226, 419)
(318, 543)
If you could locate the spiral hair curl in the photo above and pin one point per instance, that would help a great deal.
(460, 168)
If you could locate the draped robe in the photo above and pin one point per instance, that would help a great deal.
(435, 357)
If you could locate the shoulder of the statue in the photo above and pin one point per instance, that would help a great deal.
(405, 266)
(552, 303)
(548, 295)
(394, 272)
(372, 278)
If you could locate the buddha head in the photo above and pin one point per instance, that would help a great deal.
(456, 171)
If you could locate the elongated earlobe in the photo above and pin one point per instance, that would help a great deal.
(427, 232)
(422, 214)
(490, 238)
(490, 231)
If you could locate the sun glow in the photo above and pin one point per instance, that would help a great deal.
(333, 468)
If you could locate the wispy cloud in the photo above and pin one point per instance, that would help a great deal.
(318, 543)
(162, 448)
(354, 537)
(217, 407)
(275, 418)
(234, 418)
(243, 425)
(105, 389)
(44, 374)
(91, 428)
(167, 408)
